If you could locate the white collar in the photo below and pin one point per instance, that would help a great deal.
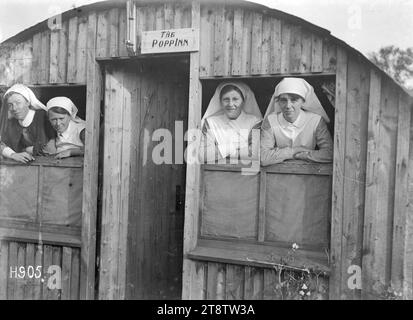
(299, 122)
(240, 119)
(28, 119)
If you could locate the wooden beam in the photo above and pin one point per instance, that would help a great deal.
(402, 263)
(90, 167)
(370, 208)
(193, 274)
(358, 87)
(338, 175)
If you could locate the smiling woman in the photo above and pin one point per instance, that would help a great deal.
(231, 116)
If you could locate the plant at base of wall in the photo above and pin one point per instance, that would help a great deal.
(298, 283)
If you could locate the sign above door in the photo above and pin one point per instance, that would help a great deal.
(170, 40)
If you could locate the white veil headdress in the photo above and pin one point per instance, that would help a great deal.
(28, 94)
(302, 88)
(67, 104)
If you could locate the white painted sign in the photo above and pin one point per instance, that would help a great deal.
(172, 40)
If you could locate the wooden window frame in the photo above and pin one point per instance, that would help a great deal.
(259, 252)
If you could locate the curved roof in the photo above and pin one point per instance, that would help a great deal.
(102, 5)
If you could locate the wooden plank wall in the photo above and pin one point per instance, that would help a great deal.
(18, 254)
(227, 36)
(370, 183)
(238, 282)
(238, 42)
(60, 56)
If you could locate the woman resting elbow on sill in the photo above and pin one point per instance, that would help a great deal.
(24, 128)
(70, 129)
(294, 125)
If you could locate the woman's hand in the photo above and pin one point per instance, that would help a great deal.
(22, 157)
(63, 154)
(302, 155)
(29, 150)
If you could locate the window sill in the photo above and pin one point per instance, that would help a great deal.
(71, 162)
(259, 255)
(289, 167)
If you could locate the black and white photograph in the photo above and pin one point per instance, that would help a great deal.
(182, 150)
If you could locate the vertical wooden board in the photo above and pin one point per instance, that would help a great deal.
(386, 183)
(21, 262)
(81, 48)
(236, 42)
(306, 51)
(54, 55)
(35, 72)
(369, 273)
(18, 62)
(285, 47)
(63, 53)
(140, 26)
(150, 18)
(27, 60)
(3, 68)
(316, 53)
(219, 41)
(169, 15)
(275, 50)
(401, 200)
(220, 281)
(102, 37)
(186, 16)
(75, 277)
(329, 56)
(178, 15)
(206, 43)
(159, 17)
(4, 268)
(13, 266)
(266, 45)
(212, 273)
(127, 124)
(72, 50)
(91, 161)
(133, 273)
(56, 293)
(229, 23)
(256, 43)
(234, 282)
(38, 261)
(408, 252)
(295, 49)
(114, 32)
(112, 180)
(246, 43)
(271, 280)
(253, 283)
(358, 86)
(66, 272)
(191, 274)
(199, 283)
(338, 175)
(47, 262)
(122, 33)
(13, 60)
(45, 58)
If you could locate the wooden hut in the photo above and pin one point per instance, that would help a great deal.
(146, 230)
